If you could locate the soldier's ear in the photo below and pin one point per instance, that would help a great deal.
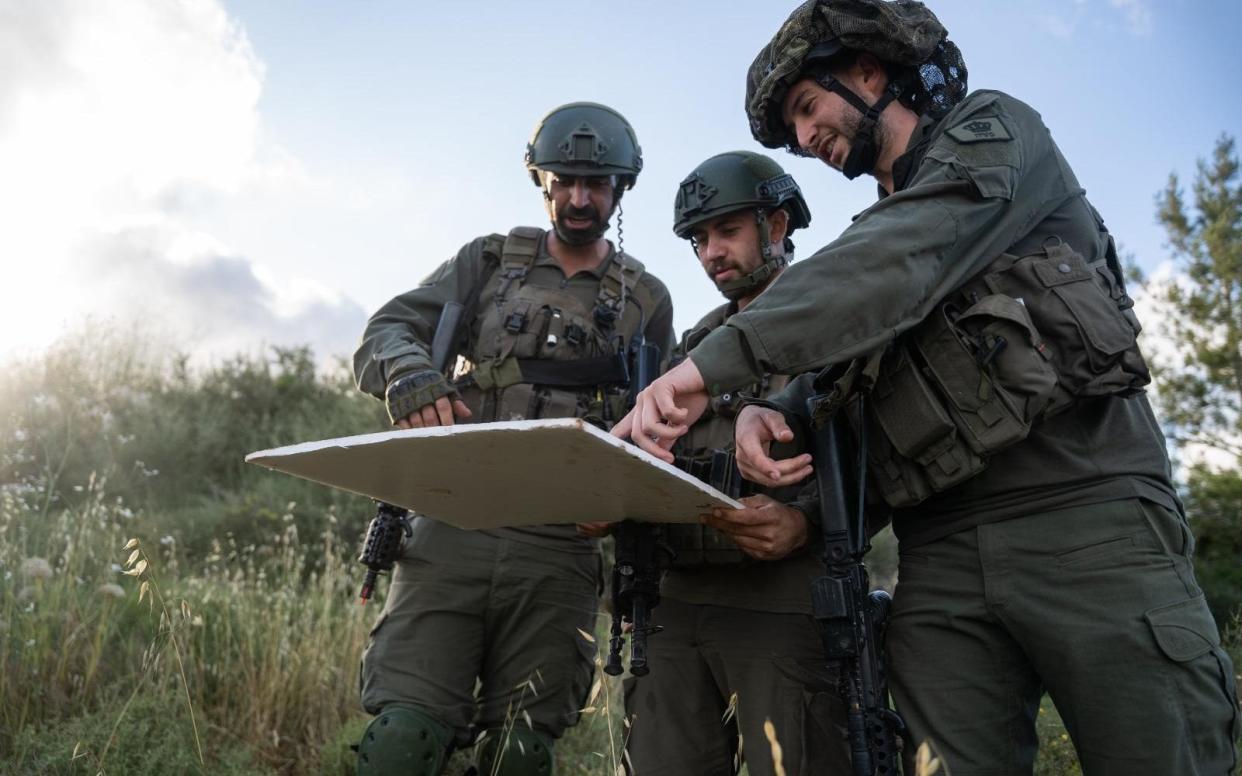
(867, 77)
(778, 225)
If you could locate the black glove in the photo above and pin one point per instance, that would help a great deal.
(414, 390)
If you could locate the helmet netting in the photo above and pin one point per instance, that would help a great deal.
(926, 68)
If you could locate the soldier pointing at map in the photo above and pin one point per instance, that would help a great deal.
(980, 308)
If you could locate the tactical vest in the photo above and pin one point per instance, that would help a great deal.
(1016, 344)
(706, 452)
(536, 351)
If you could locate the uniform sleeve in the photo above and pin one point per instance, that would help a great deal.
(397, 338)
(971, 198)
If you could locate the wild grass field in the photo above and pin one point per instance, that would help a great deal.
(166, 609)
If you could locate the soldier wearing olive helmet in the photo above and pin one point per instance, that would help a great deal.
(482, 628)
(738, 631)
(982, 304)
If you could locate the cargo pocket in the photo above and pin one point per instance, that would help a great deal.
(1184, 630)
(1186, 633)
(517, 402)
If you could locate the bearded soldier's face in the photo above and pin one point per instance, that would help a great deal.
(579, 205)
(824, 123)
(728, 249)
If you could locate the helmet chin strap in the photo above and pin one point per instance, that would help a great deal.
(865, 146)
(771, 265)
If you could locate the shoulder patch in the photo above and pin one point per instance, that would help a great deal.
(979, 129)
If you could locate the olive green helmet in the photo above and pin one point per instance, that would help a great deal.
(585, 138)
(736, 180)
(742, 180)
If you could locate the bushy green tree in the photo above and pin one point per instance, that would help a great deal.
(1199, 384)
(169, 439)
(1202, 397)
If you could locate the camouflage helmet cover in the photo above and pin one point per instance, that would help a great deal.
(901, 33)
(736, 180)
(585, 138)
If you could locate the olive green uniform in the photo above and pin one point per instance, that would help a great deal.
(734, 626)
(504, 606)
(1064, 565)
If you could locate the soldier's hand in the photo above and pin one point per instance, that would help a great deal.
(754, 431)
(595, 530)
(443, 412)
(665, 410)
(764, 529)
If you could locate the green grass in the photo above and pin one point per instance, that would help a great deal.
(245, 644)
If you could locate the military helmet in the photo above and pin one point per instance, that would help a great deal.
(926, 69)
(736, 180)
(585, 138)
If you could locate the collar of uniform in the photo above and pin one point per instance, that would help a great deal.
(544, 258)
(905, 165)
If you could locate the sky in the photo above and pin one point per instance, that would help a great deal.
(235, 174)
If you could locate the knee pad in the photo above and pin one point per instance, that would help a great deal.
(520, 750)
(404, 741)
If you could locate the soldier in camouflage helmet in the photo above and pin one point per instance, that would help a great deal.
(547, 315)
(734, 606)
(982, 311)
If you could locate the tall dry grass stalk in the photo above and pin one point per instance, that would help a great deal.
(139, 566)
(262, 643)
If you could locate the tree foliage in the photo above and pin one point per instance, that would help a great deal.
(1199, 389)
(1202, 396)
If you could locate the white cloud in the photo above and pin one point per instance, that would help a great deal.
(217, 302)
(1138, 16)
(118, 120)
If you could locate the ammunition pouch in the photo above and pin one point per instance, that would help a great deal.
(1017, 344)
(1083, 312)
(699, 545)
(538, 351)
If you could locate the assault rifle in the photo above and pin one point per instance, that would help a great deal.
(391, 524)
(851, 616)
(641, 554)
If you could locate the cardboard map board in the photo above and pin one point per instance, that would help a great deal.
(489, 475)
